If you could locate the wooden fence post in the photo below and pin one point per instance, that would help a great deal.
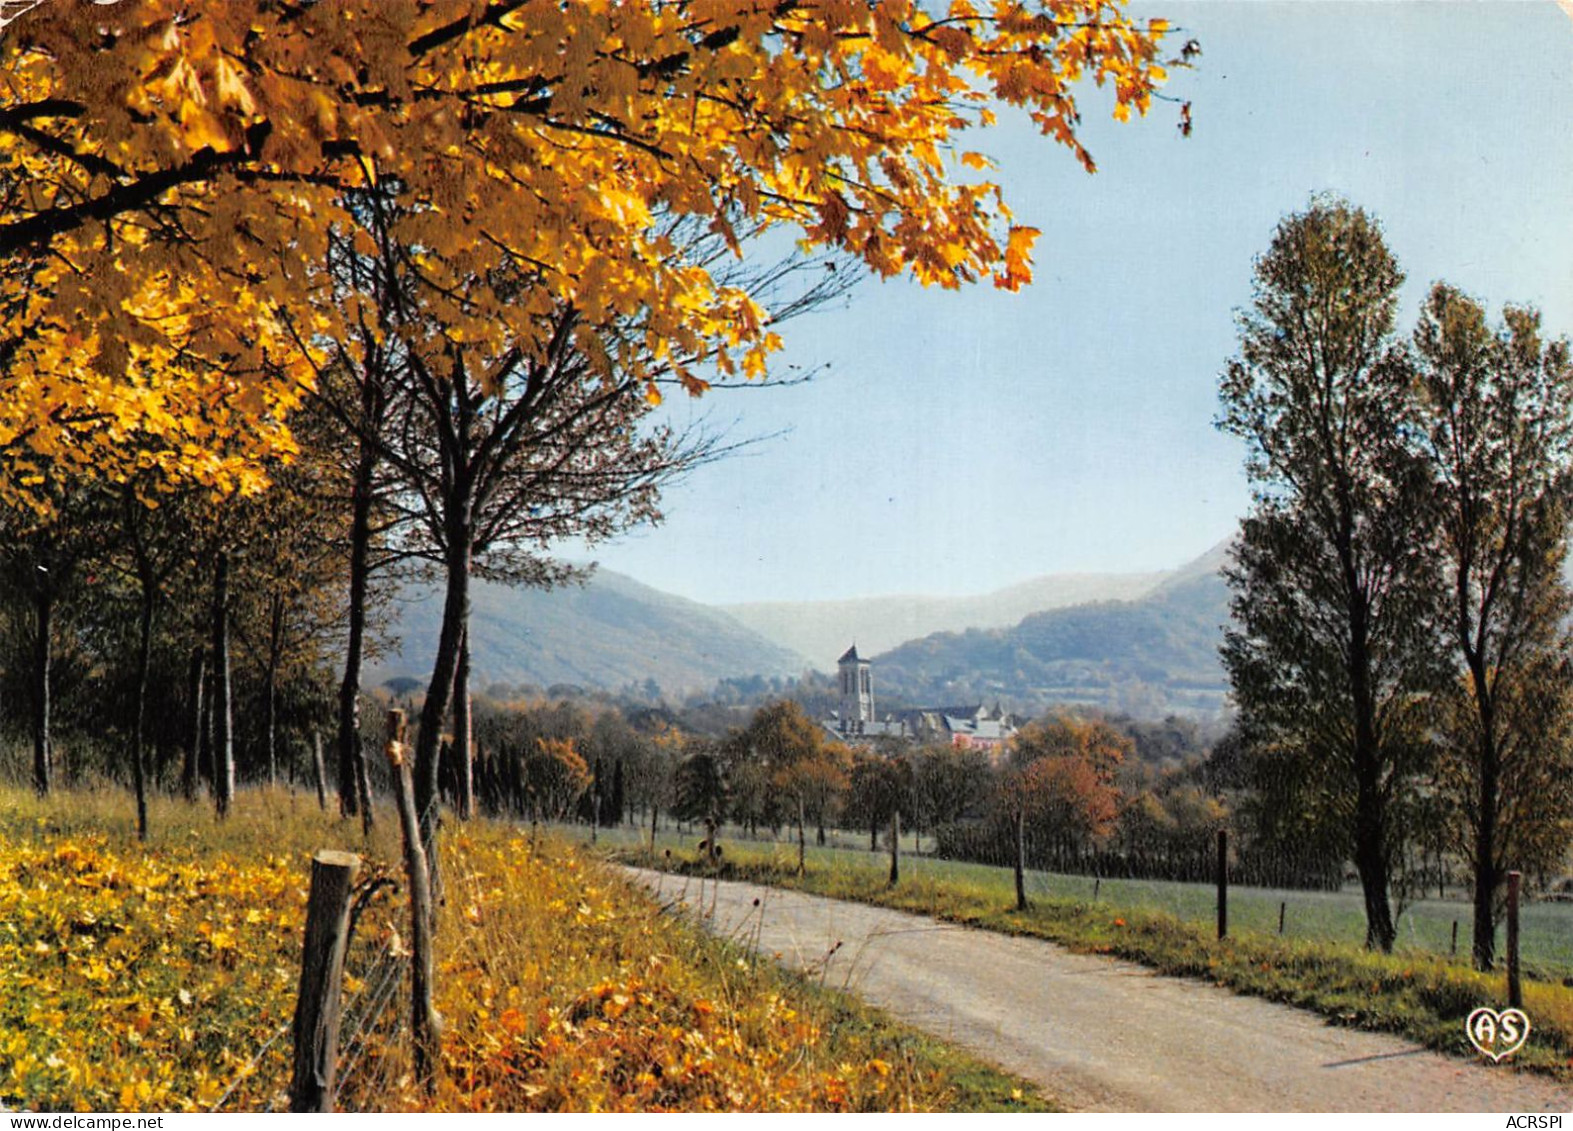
(424, 1022)
(1515, 988)
(317, 1005)
(1223, 883)
(1283, 910)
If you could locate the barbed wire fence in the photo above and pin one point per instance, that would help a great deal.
(370, 1021)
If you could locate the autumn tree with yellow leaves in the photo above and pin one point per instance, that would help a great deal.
(173, 176)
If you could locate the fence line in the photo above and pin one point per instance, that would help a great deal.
(251, 1065)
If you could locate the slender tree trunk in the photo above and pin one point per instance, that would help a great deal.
(435, 710)
(802, 840)
(1371, 864)
(194, 729)
(270, 686)
(194, 681)
(205, 751)
(463, 758)
(1370, 840)
(223, 740)
(43, 605)
(351, 758)
(1021, 858)
(144, 662)
(318, 769)
(1485, 848)
(895, 847)
(368, 816)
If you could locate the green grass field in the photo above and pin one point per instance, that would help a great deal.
(1425, 927)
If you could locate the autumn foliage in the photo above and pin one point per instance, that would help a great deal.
(175, 172)
(164, 979)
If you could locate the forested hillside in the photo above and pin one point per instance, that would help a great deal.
(1149, 657)
(821, 630)
(608, 633)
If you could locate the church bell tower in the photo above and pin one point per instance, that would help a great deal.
(857, 692)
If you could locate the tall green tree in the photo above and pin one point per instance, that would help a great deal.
(1333, 641)
(1498, 437)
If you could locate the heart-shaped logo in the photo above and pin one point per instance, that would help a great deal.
(1497, 1034)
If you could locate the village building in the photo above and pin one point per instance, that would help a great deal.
(856, 721)
(968, 727)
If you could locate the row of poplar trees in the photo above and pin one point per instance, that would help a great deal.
(1399, 651)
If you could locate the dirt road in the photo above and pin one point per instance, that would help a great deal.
(1099, 1034)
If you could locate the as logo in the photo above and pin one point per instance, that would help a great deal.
(1497, 1034)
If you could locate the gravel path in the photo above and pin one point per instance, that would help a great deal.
(1100, 1034)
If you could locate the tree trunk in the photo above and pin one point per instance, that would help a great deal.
(223, 740)
(194, 681)
(802, 840)
(425, 1024)
(43, 604)
(144, 661)
(1370, 840)
(895, 847)
(318, 769)
(1021, 858)
(351, 758)
(1485, 869)
(1371, 865)
(434, 712)
(1483, 851)
(205, 750)
(463, 759)
(270, 686)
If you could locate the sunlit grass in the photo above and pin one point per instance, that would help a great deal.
(162, 977)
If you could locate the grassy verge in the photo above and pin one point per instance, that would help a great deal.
(162, 977)
(1421, 996)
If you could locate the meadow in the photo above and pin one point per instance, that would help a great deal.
(1421, 990)
(1425, 926)
(162, 977)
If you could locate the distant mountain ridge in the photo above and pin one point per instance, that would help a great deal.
(1143, 643)
(608, 633)
(1151, 656)
(821, 630)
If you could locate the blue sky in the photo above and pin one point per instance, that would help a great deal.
(962, 442)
